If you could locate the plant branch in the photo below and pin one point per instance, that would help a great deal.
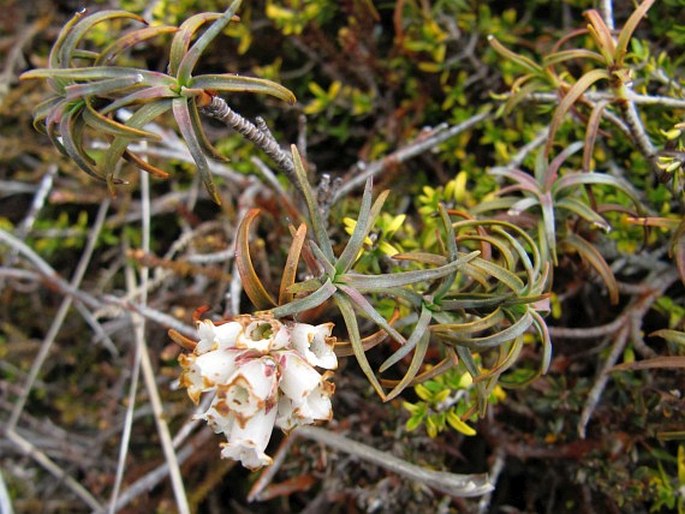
(447, 483)
(421, 144)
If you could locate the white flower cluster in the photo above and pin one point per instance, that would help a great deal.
(262, 373)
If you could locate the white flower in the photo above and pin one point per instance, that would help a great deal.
(262, 373)
(203, 372)
(315, 344)
(214, 337)
(298, 378)
(251, 388)
(264, 335)
(247, 443)
(315, 406)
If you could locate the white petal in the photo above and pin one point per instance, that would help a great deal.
(247, 444)
(227, 334)
(252, 388)
(298, 377)
(205, 329)
(214, 337)
(191, 378)
(217, 366)
(315, 344)
(218, 416)
(316, 406)
(287, 418)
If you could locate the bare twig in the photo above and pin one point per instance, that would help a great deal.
(422, 144)
(630, 320)
(496, 468)
(154, 477)
(5, 501)
(149, 372)
(60, 316)
(49, 465)
(447, 483)
(595, 393)
(607, 10)
(220, 110)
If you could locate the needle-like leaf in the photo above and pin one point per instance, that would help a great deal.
(185, 124)
(573, 94)
(252, 284)
(189, 60)
(240, 84)
(350, 319)
(290, 268)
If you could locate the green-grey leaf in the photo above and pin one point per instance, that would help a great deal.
(240, 84)
(311, 301)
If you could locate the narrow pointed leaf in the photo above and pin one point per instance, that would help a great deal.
(102, 87)
(318, 225)
(524, 62)
(344, 348)
(79, 30)
(144, 165)
(575, 179)
(602, 35)
(192, 56)
(503, 336)
(502, 275)
(405, 278)
(199, 130)
(420, 330)
(628, 30)
(365, 307)
(181, 41)
(591, 132)
(509, 357)
(366, 219)
(594, 258)
(69, 130)
(252, 284)
(549, 224)
(441, 367)
(414, 366)
(551, 172)
(573, 94)
(240, 84)
(470, 327)
(546, 340)
(140, 96)
(584, 211)
(452, 253)
(290, 269)
(184, 121)
(355, 340)
(55, 51)
(108, 125)
(149, 78)
(138, 119)
(129, 40)
(576, 53)
(311, 301)
(321, 260)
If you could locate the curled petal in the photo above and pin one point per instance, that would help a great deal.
(298, 377)
(315, 344)
(264, 335)
(247, 443)
(252, 388)
(316, 406)
(203, 372)
(217, 336)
